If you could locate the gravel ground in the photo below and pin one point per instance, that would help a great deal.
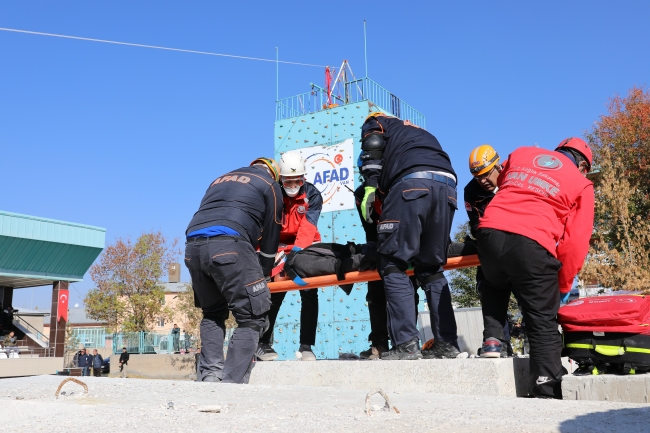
(115, 405)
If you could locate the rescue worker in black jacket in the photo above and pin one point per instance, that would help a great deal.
(407, 167)
(240, 211)
(485, 168)
(376, 296)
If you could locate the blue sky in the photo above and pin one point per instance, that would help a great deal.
(128, 138)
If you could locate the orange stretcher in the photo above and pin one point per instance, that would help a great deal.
(362, 276)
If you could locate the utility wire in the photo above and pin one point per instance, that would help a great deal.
(156, 47)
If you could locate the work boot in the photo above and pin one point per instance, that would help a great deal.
(211, 378)
(405, 351)
(265, 352)
(306, 354)
(373, 353)
(441, 350)
(491, 348)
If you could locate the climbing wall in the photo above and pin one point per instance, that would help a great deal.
(343, 322)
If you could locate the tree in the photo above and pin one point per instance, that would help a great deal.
(462, 283)
(618, 256)
(128, 295)
(191, 316)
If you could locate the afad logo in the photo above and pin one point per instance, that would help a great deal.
(328, 172)
(547, 162)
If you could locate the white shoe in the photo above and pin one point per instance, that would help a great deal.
(306, 354)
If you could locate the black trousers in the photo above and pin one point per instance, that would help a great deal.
(415, 226)
(480, 281)
(376, 299)
(308, 316)
(226, 275)
(515, 263)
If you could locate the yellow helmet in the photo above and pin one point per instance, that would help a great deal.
(482, 159)
(376, 114)
(271, 164)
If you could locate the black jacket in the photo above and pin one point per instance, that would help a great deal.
(249, 201)
(476, 200)
(408, 149)
(124, 358)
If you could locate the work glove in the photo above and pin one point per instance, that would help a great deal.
(368, 202)
(288, 268)
(267, 264)
(564, 297)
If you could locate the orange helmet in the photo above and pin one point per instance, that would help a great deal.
(271, 164)
(482, 159)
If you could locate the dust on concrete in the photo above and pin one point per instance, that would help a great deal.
(133, 404)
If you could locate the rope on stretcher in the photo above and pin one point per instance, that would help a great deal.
(362, 276)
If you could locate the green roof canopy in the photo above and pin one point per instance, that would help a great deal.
(37, 251)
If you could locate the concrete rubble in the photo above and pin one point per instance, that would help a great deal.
(113, 405)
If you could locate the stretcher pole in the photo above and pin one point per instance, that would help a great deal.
(363, 276)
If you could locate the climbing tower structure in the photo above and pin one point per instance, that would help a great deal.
(324, 124)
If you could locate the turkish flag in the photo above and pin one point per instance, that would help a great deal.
(62, 309)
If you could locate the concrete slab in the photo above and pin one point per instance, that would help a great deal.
(114, 405)
(473, 376)
(178, 367)
(607, 387)
(13, 367)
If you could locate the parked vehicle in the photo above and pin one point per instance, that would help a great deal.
(106, 365)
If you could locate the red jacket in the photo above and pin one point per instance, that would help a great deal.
(543, 196)
(300, 219)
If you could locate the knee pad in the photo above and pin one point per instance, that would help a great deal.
(428, 275)
(389, 265)
(392, 269)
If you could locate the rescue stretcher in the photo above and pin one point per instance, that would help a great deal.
(362, 276)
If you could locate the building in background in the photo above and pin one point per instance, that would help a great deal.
(34, 252)
(324, 124)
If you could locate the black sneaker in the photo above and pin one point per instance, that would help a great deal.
(441, 350)
(211, 378)
(265, 352)
(405, 351)
(491, 348)
(373, 353)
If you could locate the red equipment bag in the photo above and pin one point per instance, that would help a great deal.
(624, 313)
(607, 333)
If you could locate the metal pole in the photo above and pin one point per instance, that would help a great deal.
(277, 75)
(365, 51)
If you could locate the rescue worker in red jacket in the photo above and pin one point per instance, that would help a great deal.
(302, 206)
(532, 240)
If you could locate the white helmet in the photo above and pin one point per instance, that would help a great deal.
(292, 164)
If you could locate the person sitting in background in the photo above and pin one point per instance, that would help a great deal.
(9, 343)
